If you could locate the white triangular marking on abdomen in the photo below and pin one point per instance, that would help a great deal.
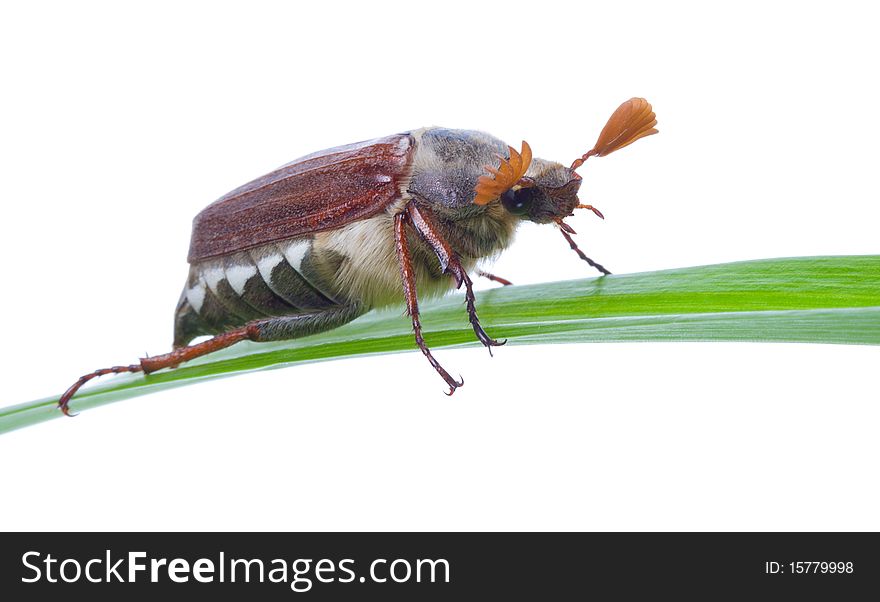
(213, 276)
(196, 295)
(295, 252)
(267, 263)
(238, 275)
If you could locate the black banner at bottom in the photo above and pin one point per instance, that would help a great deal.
(408, 566)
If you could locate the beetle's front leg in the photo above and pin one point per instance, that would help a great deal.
(449, 263)
(567, 231)
(408, 276)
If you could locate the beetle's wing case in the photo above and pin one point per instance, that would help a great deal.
(321, 191)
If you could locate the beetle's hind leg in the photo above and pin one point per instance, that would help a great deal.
(167, 360)
(65, 398)
(269, 329)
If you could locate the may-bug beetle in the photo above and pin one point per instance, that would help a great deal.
(324, 239)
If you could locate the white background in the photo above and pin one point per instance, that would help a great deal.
(119, 123)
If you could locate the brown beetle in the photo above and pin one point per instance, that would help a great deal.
(325, 238)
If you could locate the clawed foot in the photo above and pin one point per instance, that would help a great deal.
(453, 384)
(64, 402)
(486, 340)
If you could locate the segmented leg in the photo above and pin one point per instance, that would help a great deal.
(567, 232)
(470, 301)
(494, 278)
(151, 364)
(449, 263)
(185, 354)
(408, 277)
(269, 329)
(284, 328)
(65, 399)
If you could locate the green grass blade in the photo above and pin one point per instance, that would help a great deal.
(809, 300)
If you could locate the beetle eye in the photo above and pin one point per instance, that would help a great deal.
(518, 202)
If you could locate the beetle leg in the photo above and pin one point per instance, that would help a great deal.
(449, 263)
(65, 399)
(408, 277)
(494, 278)
(167, 360)
(565, 233)
(269, 329)
(284, 328)
(470, 300)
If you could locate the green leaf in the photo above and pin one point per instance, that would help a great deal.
(809, 300)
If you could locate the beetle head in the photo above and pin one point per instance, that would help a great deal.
(548, 196)
(549, 193)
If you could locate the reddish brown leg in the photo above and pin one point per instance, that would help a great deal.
(566, 233)
(471, 300)
(449, 262)
(65, 399)
(494, 278)
(168, 360)
(248, 332)
(412, 303)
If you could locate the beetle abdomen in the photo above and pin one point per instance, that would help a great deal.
(277, 279)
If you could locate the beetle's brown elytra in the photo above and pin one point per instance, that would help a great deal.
(332, 235)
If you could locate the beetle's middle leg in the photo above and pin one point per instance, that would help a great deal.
(449, 263)
(494, 278)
